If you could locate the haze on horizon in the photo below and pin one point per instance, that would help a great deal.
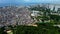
(18, 2)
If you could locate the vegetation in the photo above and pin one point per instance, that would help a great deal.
(42, 28)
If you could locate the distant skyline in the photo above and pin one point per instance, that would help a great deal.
(20, 2)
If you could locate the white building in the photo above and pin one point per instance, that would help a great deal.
(51, 6)
(34, 13)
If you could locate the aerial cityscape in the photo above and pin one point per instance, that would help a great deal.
(29, 16)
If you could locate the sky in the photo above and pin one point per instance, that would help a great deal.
(6, 2)
(28, 1)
